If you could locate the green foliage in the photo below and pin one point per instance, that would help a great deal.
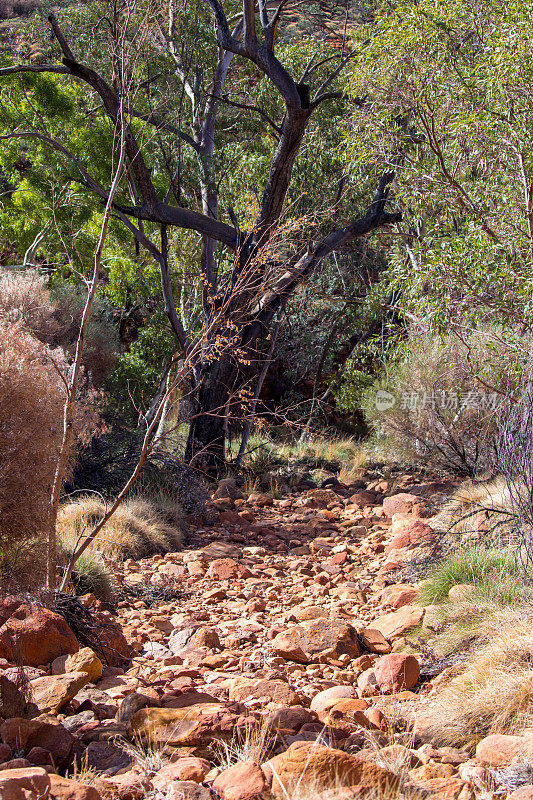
(449, 106)
(493, 574)
(91, 575)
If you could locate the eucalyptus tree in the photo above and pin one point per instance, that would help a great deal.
(184, 138)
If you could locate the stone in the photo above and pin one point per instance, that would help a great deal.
(33, 636)
(187, 790)
(193, 726)
(23, 735)
(397, 622)
(128, 786)
(396, 672)
(374, 641)
(308, 764)
(400, 503)
(523, 793)
(13, 702)
(28, 783)
(113, 647)
(317, 640)
(85, 660)
(243, 689)
(67, 789)
(227, 569)
(330, 697)
(52, 692)
(243, 781)
(500, 750)
(288, 721)
(107, 758)
(188, 768)
(461, 592)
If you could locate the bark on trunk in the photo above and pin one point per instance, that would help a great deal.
(205, 448)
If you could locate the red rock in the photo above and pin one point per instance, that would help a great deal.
(128, 786)
(33, 635)
(401, 503)
(397, 622)
(189, 768)
(243, 781)
(441, 788)
(114, 649)
(328, 698)
(411, 536)
(363, 498)
(30, 783)
(66, 789)
(6, 753)
(374, 641)
(318, 639)
(524, 793)
(396, 672)
(227, 569)
(499, 750)
(24, 735)
(308, 764)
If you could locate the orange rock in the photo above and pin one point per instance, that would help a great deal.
(314, 765)
(243, 781)
(397, 622)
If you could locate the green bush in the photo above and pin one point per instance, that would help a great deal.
(492, 573)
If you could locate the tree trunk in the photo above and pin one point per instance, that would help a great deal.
(205, 448)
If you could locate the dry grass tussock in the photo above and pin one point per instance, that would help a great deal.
(494, 694)
(474, 499)
(139, 528)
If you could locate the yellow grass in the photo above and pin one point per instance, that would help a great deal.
(494, 694)
(139, 528)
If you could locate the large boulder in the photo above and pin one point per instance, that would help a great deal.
(29, 783)
(317, 640)
(308, 764)
(23, 735)
(34, 636)
(500, 750)
(396, 672)
(13, 702)
(193, 726)
(243, 781)
(52, 692)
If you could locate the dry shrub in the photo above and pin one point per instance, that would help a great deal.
(479, 512)
(54, 317)
(494, 694)
(25, 298)
(138, 529)
(32, 393)
(31, 402)
(431, 407)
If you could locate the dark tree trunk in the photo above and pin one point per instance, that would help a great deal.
(205, 448)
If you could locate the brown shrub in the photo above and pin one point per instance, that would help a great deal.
(31, 401)
(54, 317)
(31, 413)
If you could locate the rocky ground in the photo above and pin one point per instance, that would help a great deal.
(264, 660)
